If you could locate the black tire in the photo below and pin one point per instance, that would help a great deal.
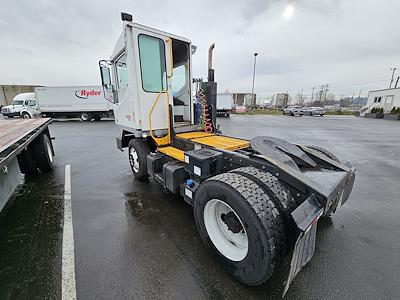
(261, 220)
(325, 152)
(139, 163)
(292, 114)
(97, 118)
(26, 163)
(279, 194)
(25, 115)
(86, 117)
(43, 153)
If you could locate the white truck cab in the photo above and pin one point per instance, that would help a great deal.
(25, 102)
(155, 88)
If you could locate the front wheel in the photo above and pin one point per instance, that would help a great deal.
(138, 151)
(25, 115)
(240, 226)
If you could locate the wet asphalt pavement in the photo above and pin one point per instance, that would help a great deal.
(134, 241)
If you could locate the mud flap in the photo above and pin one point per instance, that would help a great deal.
(306, 217)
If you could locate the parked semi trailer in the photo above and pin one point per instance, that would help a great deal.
(224, 104)
(25, 147)
(85, 102)
(255, 200)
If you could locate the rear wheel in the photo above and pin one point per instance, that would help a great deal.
(26, 162)
(138, 151)
(280, 196)
(43, 152)
(240, 226)
(97, 118)
(86, 116)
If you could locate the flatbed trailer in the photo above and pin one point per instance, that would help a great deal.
(25, 148)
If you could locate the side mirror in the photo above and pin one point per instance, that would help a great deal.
(105, 73)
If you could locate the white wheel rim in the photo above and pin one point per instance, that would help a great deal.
(26, 116)
(134, 160)
(84, 116)
(49, 152)
(233, 246)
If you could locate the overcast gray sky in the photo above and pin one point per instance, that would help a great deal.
(350, 44)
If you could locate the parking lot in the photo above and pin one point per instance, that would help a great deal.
(133, 240)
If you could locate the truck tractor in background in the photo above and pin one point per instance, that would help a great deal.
(84, 102)
(254, 201)
(19, 102)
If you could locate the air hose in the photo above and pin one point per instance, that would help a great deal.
(205, 120)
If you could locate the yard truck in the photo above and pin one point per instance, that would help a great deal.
(25, 147)
(84, 102)
(254, 201)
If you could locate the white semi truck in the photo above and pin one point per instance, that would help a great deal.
(86, 102)
(19, 102)
(253, 200)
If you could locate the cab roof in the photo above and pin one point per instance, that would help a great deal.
(119, 46)
(24, 96)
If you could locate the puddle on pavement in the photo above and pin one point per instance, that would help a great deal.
(30, 240)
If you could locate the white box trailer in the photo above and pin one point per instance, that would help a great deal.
(224, 104)
(86, 102)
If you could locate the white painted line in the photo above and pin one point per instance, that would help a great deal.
(68, 290)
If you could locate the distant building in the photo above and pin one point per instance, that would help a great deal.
(359, 101)
(240, 99)
(387, 99)
(281, 100)
(244, 99)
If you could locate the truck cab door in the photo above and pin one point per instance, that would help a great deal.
(153, 54)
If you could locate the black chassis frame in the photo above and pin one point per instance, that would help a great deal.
(301, 187)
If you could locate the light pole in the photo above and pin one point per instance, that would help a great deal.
(254, 75)
(391, 80)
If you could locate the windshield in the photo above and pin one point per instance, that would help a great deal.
(18, 102)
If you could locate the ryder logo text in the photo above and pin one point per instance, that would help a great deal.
(85, 94)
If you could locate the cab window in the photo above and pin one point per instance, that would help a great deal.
(122, 72)
(179, 79)
(152, 63)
